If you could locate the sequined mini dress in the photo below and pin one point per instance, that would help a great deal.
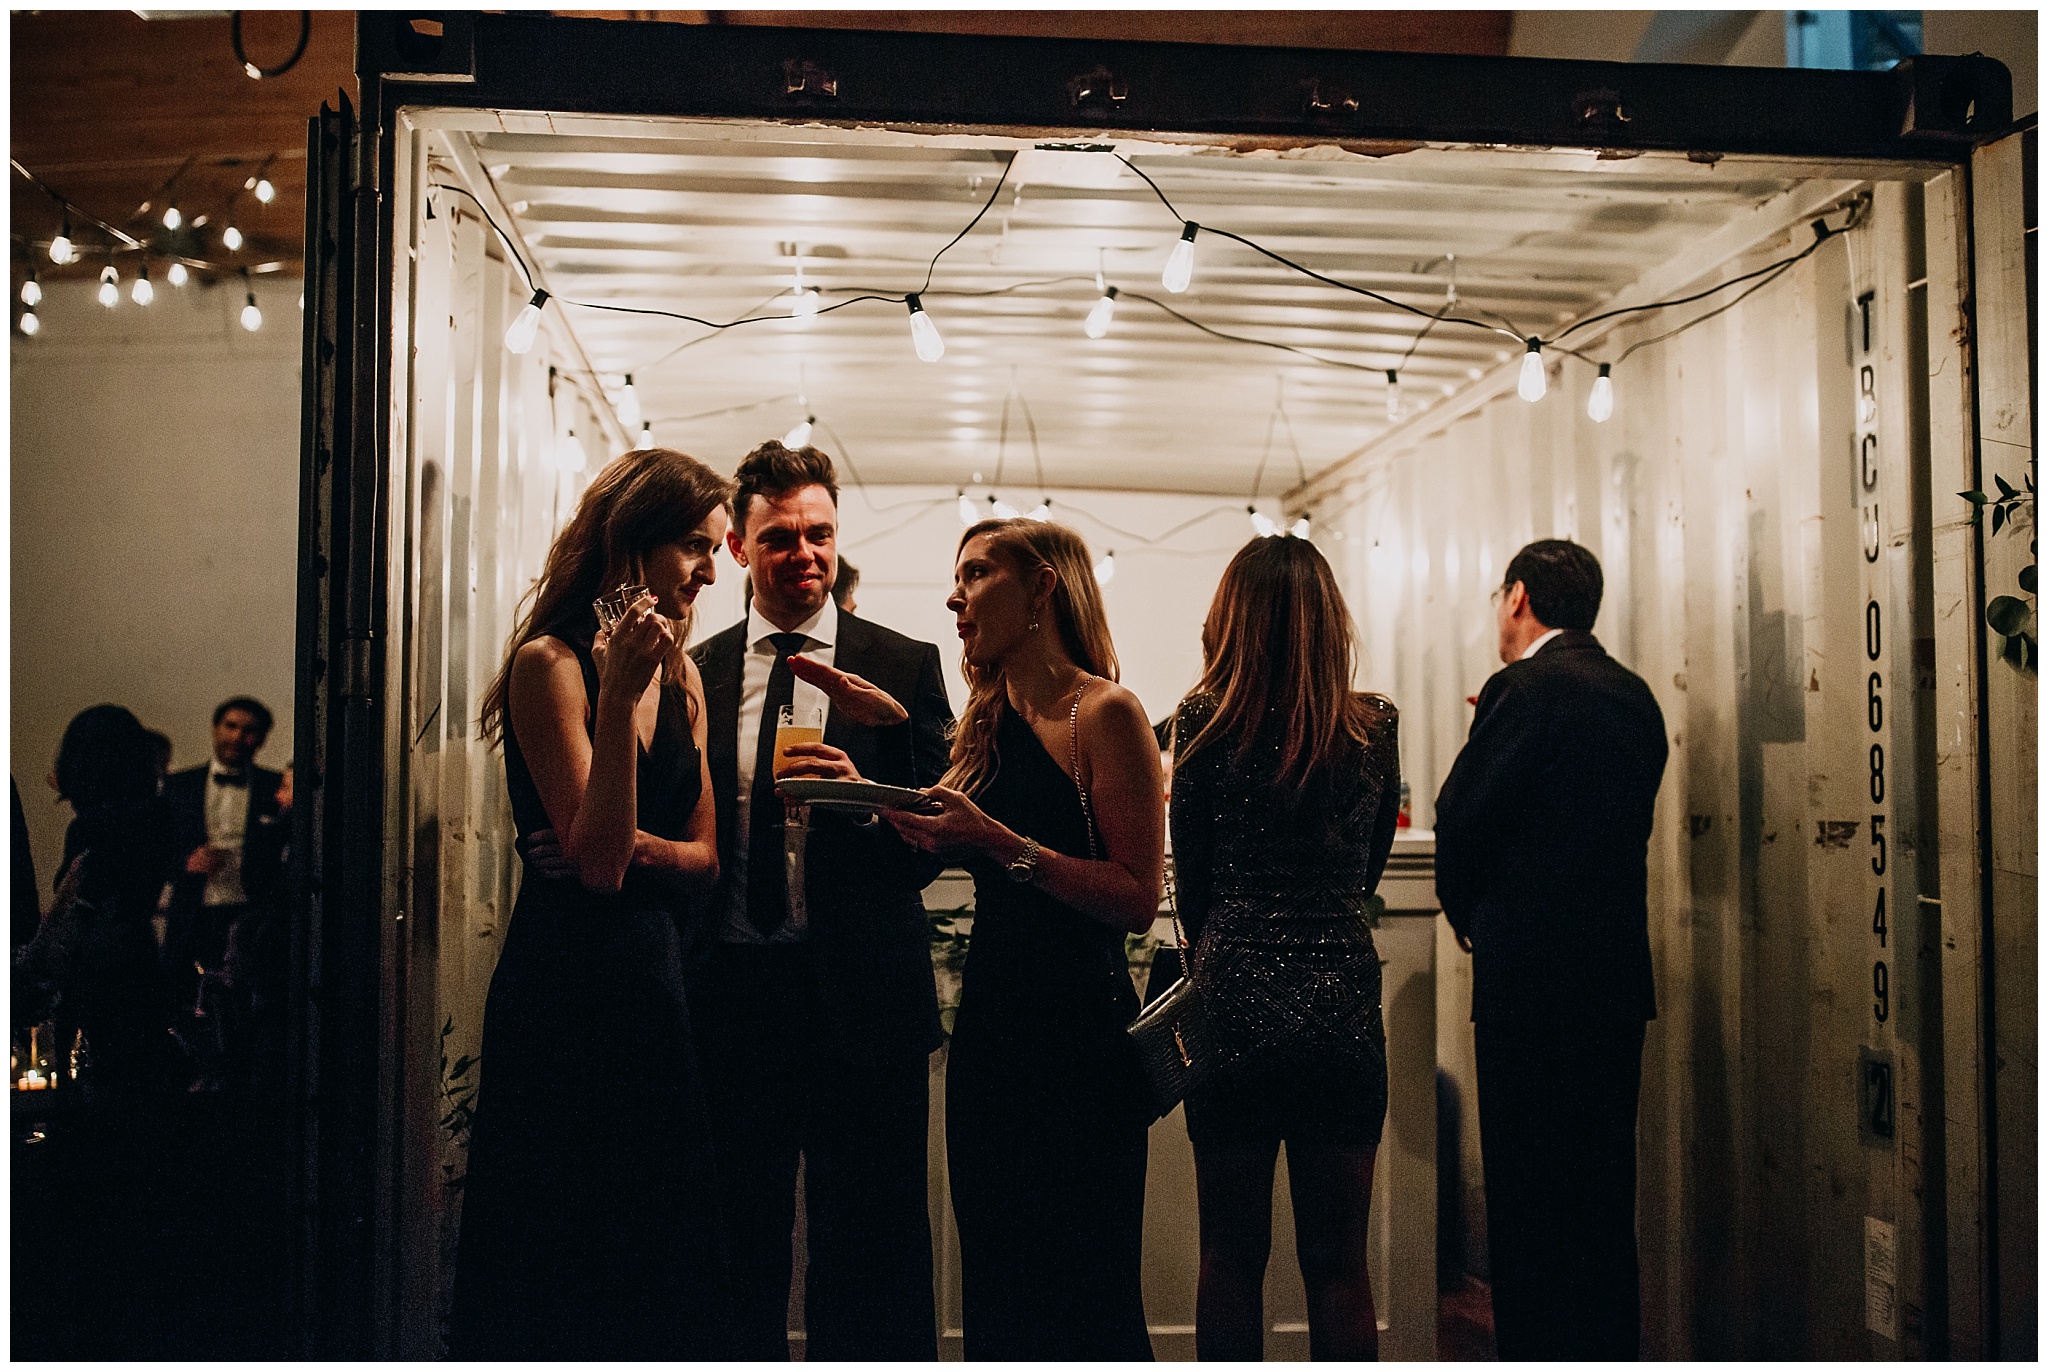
(1272, 890)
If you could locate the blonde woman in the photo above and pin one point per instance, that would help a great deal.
(1052, 802)
(589, 1225)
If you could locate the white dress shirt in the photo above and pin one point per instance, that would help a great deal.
(1535, 647)
(227, 819)
(821, 635)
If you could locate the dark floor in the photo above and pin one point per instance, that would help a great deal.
(155, 1233)
(1464, 1324)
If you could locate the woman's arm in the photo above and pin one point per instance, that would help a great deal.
(689, 863)
(1120, 768)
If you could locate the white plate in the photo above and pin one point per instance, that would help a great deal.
(864, 796)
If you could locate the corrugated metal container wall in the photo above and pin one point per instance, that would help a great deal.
(1732, 509)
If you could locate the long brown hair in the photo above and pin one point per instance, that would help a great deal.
(1278, 642)
(1024, 546)
(649, 497)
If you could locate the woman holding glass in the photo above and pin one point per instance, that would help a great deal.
(1286, 785)
(589, 1221)
(1053, 803)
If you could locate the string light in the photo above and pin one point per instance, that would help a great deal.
(646, 439)
(519, 338)
(1097, 324)
(629, 406)
(572, 456)
(31, 290)
(1105, 570)
(60, 246)
(110, 286)
(1299, 528)
(1534, 384)
(1261, 525)
(1180, 266)
(1600, 404)
(1042, 512)
(172, 219)
(799, 434)
(142, 291)
(177, 275)
(923, 333)
(803, 302)
(1002, 509)
(968, 514)
(265, 192)
(29, 323)
(1393, 395)
(252, 318)
(231, 238)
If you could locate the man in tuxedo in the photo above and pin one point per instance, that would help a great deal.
(814, 1027)
(227, 822)
(1542, 837)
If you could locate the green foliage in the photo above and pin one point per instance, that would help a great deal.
(2010, 617)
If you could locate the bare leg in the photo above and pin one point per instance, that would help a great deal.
(1234, 1189)
(1332, 1189)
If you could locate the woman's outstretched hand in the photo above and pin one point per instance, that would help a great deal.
(854, 698)
(957, 824)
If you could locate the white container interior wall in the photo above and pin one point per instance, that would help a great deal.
(1729, 515)
(1727, 507)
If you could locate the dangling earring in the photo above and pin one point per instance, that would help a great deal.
(1034, 627)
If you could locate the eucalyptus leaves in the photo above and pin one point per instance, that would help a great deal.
(2008, 616)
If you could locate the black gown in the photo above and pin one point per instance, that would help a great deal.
(1046, 1114)
(1272, 888)
(589, 1227)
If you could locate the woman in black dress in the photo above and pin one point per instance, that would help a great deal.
(1054, 801)
(1286, 786)
(589, 1225)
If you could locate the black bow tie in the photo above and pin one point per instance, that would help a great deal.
(230, 779)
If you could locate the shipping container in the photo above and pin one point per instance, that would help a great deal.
(1813, 293)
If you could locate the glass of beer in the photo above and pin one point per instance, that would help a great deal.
(796, 724)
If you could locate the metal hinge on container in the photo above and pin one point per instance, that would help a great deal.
(363, 160)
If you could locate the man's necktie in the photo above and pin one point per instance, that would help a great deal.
(767, 880)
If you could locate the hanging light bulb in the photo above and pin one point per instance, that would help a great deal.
(629, 406)
(571, 456)
(252, 317)
(31, 290)
(110, 286)
(1097, 324)
(923, 332)
(968, 514)
(1042, 512)
(1002, 509)
(177, 275)
(1533, 384)
(60, 246)
(1105, 570)
(1261, 525)
(1393, 395)
(172, 219)
(265, 192)
(804, 304)
(519, 338)
(231, 238)
(1180, 267)
(1299, 528)
(142, 291)
(800, 433)
(646, 438)
(29, 323)
(1600, 404)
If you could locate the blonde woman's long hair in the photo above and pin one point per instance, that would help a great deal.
(1077, 615)
(649, 497)
(1277, 644)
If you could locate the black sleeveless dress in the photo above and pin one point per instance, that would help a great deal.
(589, 1227)
(1045, 1112)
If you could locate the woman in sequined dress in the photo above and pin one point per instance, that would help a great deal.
(1052, 802)
(1286, 784)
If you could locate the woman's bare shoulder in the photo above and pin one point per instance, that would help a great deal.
(544, 663)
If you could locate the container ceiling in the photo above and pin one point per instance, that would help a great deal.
(703, 223)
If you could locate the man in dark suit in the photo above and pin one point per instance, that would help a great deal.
(1542, 837)
(227, 820)
(816, 1017)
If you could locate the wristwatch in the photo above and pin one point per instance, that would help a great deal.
(1026, 864)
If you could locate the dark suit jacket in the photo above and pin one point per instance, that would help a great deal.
(1542, 838)
(869, 938)
(186, 793)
